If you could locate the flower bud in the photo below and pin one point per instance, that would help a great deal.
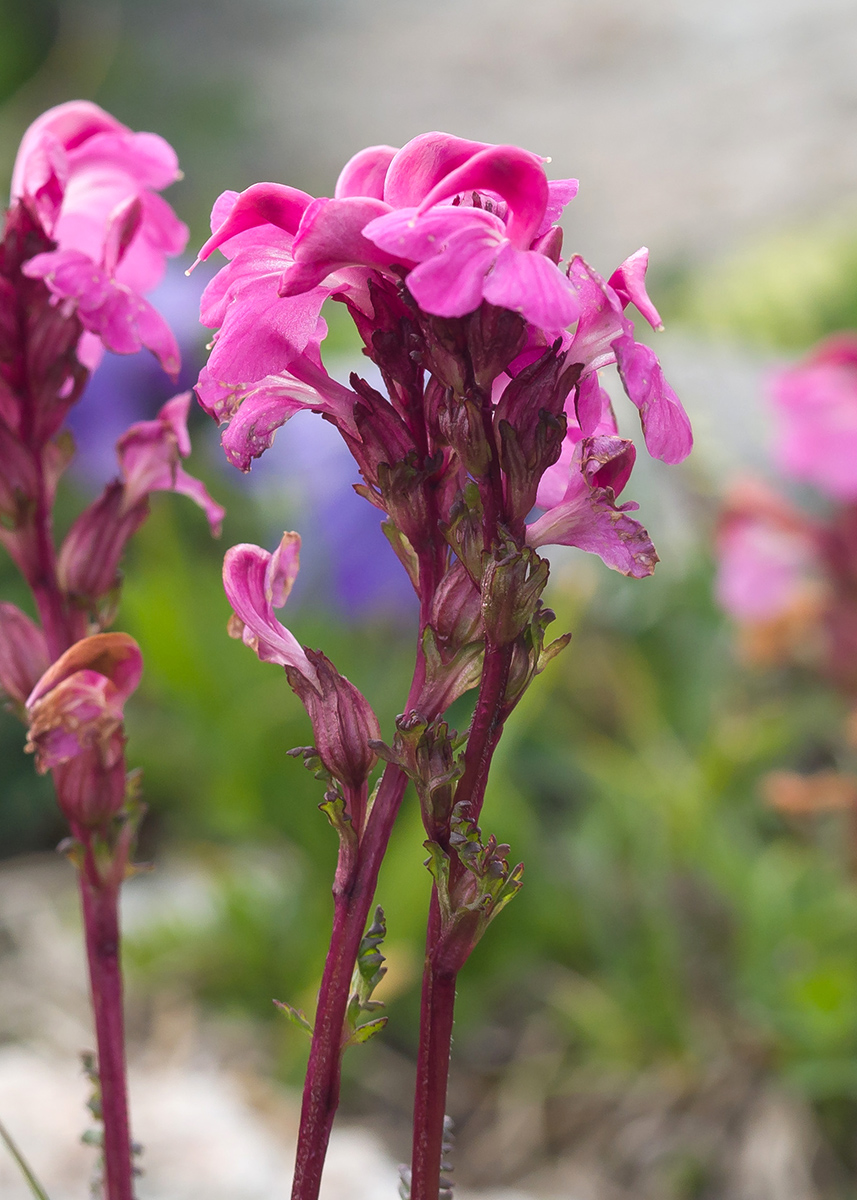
(89, 790)
(23, 653)
(88, 563)
(456, 613)
(342, 720)
(511, 587)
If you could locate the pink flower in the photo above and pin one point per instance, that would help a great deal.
(256, 583)
(605, 335)
(78, 703)
(343, 722)
(150, 454)
(586, 514)
(93, 185)
(816, 402)
(767, 554)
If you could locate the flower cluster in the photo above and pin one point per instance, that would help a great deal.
(447, 254)
(85, 235)
(492, 438)
(789, 577)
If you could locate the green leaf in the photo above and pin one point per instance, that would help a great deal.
(295, 1015)
(364, 1032)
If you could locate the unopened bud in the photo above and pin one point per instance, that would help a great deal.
(23, 653)
(342, 720)
(511, 588)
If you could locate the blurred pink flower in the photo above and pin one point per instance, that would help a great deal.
(768, 554)
(816, 404)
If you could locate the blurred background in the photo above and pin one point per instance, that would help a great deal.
(669, 1009)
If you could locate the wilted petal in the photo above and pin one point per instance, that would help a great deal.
(588, 517)
(77, 703)
(591, 521)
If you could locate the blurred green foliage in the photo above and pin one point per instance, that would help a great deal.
(785, 290)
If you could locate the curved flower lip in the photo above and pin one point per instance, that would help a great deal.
(116, 656)
(77, 704)
(262, 204)
(628, 281)
(423, 162)
(365, 172)
(273, 401)
(514, 174)
(150, 454)
(331, 236)
(256, 583)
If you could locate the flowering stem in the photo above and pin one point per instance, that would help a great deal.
(437, 1005)
(437, 1009)
(100, 903)
(352, 901)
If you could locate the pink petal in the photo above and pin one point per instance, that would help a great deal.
(513, 174)
(527, 282)
(591, 521)
(764, 565)
(409, 237)
(422, 163)
(592, 405)
(365, 172)
(113, 655)
(262, 204)
(560, 193)
(262, 412)
(253, 580)
(628, 281)
(666, 426)
(451, 284)
(330, 237)
(601, 318)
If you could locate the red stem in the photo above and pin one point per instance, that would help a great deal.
(100, 903)
(437, 1006)
(351, 911)
(437, 1010)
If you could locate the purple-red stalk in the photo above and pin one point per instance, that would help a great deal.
(100, 903)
